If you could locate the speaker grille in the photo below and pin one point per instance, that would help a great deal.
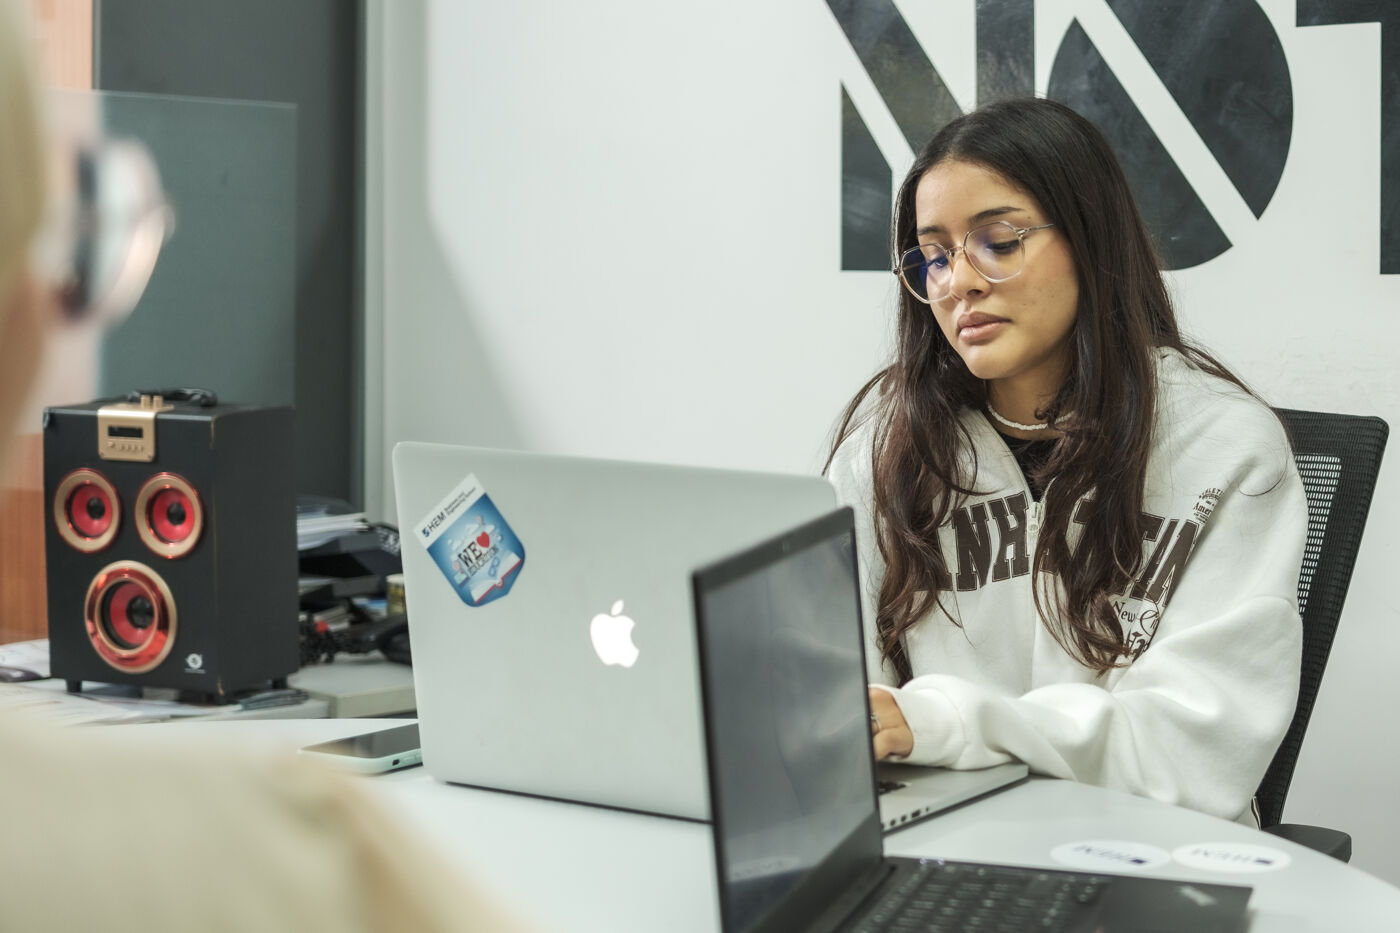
(130, 616)
(168, 515)
(86, 511)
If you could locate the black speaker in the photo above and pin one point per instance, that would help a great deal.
(171, 545)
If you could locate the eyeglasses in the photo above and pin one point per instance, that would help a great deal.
(996, 250)
(105, 228)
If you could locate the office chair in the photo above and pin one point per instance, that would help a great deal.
(1338, 457)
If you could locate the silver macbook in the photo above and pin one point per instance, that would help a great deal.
(548, 598)
(909, 793)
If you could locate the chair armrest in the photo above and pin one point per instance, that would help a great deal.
(1331, 842)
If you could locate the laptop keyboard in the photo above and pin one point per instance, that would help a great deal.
(940, 897)
(884, 787)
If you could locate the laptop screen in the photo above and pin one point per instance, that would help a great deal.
(783, 677)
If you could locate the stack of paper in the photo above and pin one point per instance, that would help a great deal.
(322, 520)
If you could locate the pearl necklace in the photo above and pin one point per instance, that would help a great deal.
(1015, 424)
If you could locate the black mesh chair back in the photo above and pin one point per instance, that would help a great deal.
(1338, 457)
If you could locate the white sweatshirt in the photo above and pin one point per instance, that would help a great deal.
(1196, 717)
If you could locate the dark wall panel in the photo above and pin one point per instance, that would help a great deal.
(304, 53)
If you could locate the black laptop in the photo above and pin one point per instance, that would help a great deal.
(792, 779)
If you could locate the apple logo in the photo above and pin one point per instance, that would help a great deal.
(612, 637)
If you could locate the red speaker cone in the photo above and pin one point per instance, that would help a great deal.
(86, 510)
(172, 515)
(127, 614)
(130, 616)
(169, 516)
(90, 510)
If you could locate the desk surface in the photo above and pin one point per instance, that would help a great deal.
(572, 867)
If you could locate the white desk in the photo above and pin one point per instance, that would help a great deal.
(572, 867)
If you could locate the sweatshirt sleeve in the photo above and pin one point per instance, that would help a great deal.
(850, 473)
(1196, 718)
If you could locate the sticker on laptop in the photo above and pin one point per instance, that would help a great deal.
(472, 544)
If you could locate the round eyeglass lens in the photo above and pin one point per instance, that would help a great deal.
(924, 270)
(995, 251)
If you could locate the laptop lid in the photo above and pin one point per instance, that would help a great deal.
(791, 773)
(553, 644)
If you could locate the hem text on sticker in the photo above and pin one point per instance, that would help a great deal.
(472, 545)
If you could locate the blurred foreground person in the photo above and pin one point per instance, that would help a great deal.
(103, 830)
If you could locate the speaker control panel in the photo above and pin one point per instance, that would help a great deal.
(127, 430)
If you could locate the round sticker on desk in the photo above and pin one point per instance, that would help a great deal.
(1110, 855)
(1234, 857)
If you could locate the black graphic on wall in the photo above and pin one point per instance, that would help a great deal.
(1005, 49)
(915, 96)
(1186, 233)
(1387, 13)
(910, 86)
(1222, 63)
(865, 194)
(1224, 66)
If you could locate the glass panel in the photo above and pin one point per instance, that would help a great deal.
(220, 309)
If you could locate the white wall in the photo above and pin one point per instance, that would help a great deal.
(611, 245)
(613, 229)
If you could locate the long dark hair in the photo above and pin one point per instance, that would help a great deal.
(1124, 314)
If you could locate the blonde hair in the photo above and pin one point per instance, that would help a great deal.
(21, 145)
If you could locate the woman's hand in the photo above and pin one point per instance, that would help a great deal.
(890, 733)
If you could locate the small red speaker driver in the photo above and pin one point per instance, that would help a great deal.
(130, 616)
(169, 516)
(86, 510)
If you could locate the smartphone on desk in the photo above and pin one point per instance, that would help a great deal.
(373, 752)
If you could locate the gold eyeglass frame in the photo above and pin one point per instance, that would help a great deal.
(901, 263)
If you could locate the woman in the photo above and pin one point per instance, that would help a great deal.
(110, 830)
(1080, 536)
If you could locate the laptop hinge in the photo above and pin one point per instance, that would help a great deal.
(859, 895)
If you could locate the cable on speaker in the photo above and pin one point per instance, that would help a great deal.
(204, 398)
